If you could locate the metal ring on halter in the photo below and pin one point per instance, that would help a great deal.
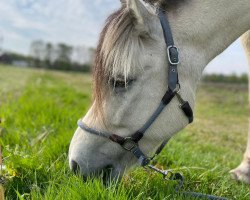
(178, 88)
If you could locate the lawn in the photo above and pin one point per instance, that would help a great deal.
(39, 110)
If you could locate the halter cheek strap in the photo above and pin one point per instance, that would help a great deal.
(131, 143)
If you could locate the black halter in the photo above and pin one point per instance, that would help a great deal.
(131, 143)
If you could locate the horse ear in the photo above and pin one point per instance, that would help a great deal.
(143, 12)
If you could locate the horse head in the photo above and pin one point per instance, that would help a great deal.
(131, 74)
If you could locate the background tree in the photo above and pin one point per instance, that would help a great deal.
(59, 56)
(49, 55)
(37, 53)
(63, 58)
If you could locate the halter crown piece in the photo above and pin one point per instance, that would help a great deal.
(131, 143)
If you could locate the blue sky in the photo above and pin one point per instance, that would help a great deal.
(78, 22)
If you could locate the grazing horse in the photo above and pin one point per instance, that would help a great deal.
(131, 76)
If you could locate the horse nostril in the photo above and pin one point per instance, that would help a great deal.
(75, 167)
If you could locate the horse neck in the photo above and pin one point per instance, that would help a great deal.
(204, 29)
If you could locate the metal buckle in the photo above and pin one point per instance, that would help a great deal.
(129, 144)
(175, 60)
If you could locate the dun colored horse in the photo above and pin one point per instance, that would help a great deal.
(131, 73)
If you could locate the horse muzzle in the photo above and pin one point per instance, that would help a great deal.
(107, 173)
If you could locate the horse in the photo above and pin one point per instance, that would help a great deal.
(130, 77)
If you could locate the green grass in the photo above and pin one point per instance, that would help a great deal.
(39, 110)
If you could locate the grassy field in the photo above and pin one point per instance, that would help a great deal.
(39, 110)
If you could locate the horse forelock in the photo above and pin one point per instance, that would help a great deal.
(116, 52)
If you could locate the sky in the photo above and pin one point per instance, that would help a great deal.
(78, 23)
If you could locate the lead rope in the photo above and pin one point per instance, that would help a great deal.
(168, 175)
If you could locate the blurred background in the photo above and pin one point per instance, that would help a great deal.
(44, 45)
(63, 35)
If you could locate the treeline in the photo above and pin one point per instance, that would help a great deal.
(66, 57)
(52, 56)
(220, 78)
(60, 56)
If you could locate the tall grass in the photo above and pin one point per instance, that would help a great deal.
(39, 110)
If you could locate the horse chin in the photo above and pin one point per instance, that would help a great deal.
(110, 175)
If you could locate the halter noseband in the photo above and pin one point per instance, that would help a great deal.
(131, 143)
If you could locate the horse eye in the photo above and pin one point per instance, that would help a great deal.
(121, 83)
